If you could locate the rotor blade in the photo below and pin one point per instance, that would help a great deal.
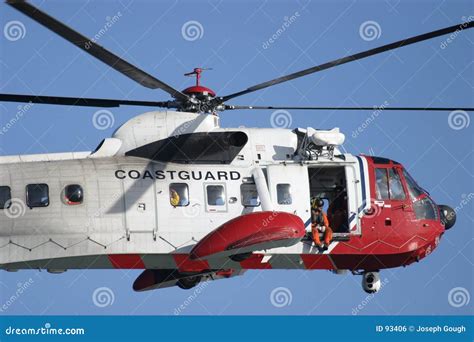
(351, 58)
(81, 101)
(94, 49)
(231, 107)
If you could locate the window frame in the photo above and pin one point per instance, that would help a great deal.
(187, 194)
(289, 192)
(211, 207)
(397, 174)
(64, 198)
(242, 197)
(28, 197)
(9, 200)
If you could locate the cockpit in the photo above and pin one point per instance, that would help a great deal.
(393, 183)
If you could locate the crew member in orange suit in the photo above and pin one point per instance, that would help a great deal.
(320, 224)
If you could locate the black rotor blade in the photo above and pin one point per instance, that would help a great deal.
(94, 49)
(80, 101)
(231, 107)
(351, 58)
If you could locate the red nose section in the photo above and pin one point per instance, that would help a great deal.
(251, 232)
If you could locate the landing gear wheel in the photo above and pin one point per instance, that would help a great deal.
(371, 282)
(188, 282)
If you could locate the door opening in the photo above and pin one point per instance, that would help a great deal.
(329, 184)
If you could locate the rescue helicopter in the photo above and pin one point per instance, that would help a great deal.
(186, 200)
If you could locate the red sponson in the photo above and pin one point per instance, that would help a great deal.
(272, 229)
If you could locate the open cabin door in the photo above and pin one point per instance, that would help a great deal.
(289, 189)
(140, 206)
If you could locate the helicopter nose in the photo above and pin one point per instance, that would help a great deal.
(448, 216)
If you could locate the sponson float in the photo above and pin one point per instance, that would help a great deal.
(175, 194)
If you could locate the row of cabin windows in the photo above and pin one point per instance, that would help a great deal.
(216, 195)
(37, 195)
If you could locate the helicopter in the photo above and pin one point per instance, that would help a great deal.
(173, 193)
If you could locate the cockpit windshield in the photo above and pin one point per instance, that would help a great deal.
(413, 188)
(424, 207)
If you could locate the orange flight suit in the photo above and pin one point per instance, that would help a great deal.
(321, 220)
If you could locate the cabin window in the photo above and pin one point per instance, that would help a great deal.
(249, 195)
(73, 194)
(395, 184)
(381, 184)
(284, 194)
(215, 195)
(5, 197)
(179, 194)
(37, 195)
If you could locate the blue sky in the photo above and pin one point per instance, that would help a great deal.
(437, 151)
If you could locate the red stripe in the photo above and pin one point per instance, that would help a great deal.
(317, 261)
(185, 264)
(254, 262)
(126, 261)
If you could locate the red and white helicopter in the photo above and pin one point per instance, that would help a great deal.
(175, 194)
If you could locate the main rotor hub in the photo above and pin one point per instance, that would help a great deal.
(198, 91)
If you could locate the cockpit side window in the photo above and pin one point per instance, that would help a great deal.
(395, 185)
(414, 189)
(381, 184)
